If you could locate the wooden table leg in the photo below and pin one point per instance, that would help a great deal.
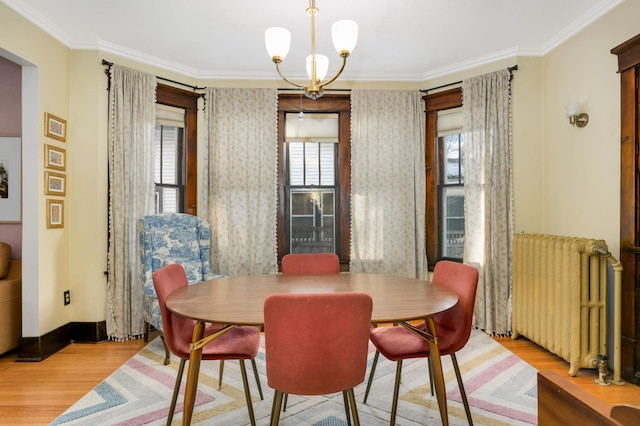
(438, 376)
(192, 374)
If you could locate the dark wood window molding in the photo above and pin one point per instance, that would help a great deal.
(175, 97)
(629, 69)
(329, 103)
(433, 104)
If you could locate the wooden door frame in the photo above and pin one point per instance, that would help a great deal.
(629, 69)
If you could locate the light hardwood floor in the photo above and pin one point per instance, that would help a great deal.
(35, 393)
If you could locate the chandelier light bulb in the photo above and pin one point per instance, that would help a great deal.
(278, 41)
(345, 35)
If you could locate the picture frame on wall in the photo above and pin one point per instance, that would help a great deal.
(55, 183)
(55, 158)
(55, 213)
(55, 127)
(10, 180)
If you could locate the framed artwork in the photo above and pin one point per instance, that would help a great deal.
(55, 158)
(55, 183)
(55, 127)
(55, 213)
(10, 180)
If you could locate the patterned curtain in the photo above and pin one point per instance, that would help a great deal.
(239, 195)
(488, 196)
(132, 100)
(388, 183)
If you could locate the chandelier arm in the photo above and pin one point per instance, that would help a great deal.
(285, 78)
(344, 62)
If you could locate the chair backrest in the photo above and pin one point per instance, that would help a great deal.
(175, 238)
(454, 325)
(316, 344)
(177, 329)
(310, 263)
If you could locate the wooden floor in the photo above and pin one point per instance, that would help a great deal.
(35, 393)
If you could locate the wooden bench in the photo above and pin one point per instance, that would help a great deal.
(561, 402)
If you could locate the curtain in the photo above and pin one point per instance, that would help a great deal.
(489, 196)
(132, 98)
(240, 179)
(388, 183)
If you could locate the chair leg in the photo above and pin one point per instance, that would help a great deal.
(354, 408)
(430, 374)
(461, 387)
(285, 398)
(396, 391)
(345, 399)
(176, 389)
(147, 330)
(220, 374)
(167, 354)
(371, 373)
(247, 393)
(275, 409)
(255, 373)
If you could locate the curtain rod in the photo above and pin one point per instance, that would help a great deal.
(510, 69)
(302, 90)
(109, 64)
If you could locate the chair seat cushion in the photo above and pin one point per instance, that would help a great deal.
(396, 343)
(237, 343)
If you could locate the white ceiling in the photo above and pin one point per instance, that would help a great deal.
(412, 40)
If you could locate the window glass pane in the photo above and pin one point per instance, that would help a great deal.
(453, 158)
(296, 163)
(327, 164)
(167, 199)
(169, 154)
(312, 164)
(453, 222)
(312, 221)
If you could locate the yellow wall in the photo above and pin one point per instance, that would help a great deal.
(566, 179)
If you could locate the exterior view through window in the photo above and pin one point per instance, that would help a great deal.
(452, 196)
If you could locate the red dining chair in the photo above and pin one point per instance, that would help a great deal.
(453, 328)
(316, 344)
(239, 343)
(310, 263)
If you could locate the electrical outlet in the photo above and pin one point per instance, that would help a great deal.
(67, 297)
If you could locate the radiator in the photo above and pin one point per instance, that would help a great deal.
(559, 298)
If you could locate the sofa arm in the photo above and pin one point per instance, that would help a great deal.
(15, 270)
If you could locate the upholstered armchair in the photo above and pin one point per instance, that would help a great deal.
(166, 239)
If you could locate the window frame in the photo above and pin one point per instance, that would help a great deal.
(329, 103)
(179, 98)
(434, 103)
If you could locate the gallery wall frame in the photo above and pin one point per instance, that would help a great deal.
(55, 127)
(55, 213)
(55, 158)
(10, 180)
(55, 183)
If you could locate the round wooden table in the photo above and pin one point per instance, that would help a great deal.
(239, 300)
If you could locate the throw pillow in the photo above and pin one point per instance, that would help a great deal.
(5, 256)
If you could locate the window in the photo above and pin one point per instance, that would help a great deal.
(168, 167)
(451, 196)
(444, 176)
(314, 176)
(175, 141)
(311, 188)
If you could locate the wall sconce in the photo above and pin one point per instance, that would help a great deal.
(576, 115)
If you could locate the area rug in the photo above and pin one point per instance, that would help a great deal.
(501, 389)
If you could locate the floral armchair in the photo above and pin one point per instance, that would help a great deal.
(172, 238)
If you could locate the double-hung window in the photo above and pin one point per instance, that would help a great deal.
(445, 218)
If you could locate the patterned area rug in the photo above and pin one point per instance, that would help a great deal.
(500, 386)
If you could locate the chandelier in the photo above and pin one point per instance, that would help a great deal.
(344, 34)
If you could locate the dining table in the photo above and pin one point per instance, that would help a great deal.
(239, 301)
